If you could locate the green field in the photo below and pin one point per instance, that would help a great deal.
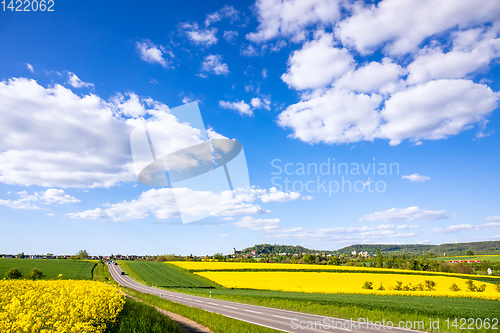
(157, 273)
(492, 258)
(51, 268)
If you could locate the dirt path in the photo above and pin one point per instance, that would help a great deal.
(187, 325)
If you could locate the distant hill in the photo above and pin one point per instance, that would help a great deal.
(266, 249)
(417, 249)
(451, 249)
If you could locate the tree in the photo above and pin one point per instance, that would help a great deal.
(20, 255)
(334, 261)
(380, 261)
(469, 253)
(82, 254)
(309, 258)
(35, 274)
(13, 274)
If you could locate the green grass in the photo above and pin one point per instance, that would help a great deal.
(101, 273)
(137, 317)
(157, 273)
(51, 268)
(374, 307)
(492, 258)
(215, 322)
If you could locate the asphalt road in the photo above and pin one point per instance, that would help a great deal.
(282, 320)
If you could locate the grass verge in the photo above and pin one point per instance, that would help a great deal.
(51, 268)
(137, 317)
(215, 322)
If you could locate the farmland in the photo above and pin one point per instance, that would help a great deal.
(61, 306)
(491, 258)
(370, 304)
(51, 268)
(162, 275)
(322, 282)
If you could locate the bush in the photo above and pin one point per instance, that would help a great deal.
(368, 285)
(430, 285)
(381, 287)
(399, 286)
(497, 287)
(473, 288)
(35, 274)
(13, 274)
(454, 287)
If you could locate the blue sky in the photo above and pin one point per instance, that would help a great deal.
(298, 83)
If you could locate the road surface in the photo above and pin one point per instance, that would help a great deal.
(282, 320)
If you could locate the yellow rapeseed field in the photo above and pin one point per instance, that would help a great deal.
(58, 306)
(318, 282)
(197, 266)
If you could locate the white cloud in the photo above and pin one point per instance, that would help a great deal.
(248, 51)
(152, 53)
(267, 225)
(384, 77)
(415, 177)
(75, 81)
(205, 37)
(436, 110)
(317, 64)
(44, 144)
(492, 219)
(163, 204)
(465, 227)
(404, 24)
(264, 103)
(223, 235)
(333, 116)
(290, 18)
(29, 201)
(30, 68)
(264, 73)
(213, 64)
(243, 108)
(228, 12)
(278, 196)
(405, 214)
(230, 35)
(472, 50)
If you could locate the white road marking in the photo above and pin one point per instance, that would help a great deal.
(231, 307)
(281, 317)
(253, 311)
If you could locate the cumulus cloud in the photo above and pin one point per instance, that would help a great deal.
(241, 107)
(415, 177)
(75, 81)
(153, 54)
(48, 197)
(251, 223)
(30, 68)
(405, 214)
(492, 219)
(163, 204)
(436, 110)
(199, 36)
(278, 196)
(213, 64)
(333, 116)
(404, 24)
(290, 18)
(317, 63)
